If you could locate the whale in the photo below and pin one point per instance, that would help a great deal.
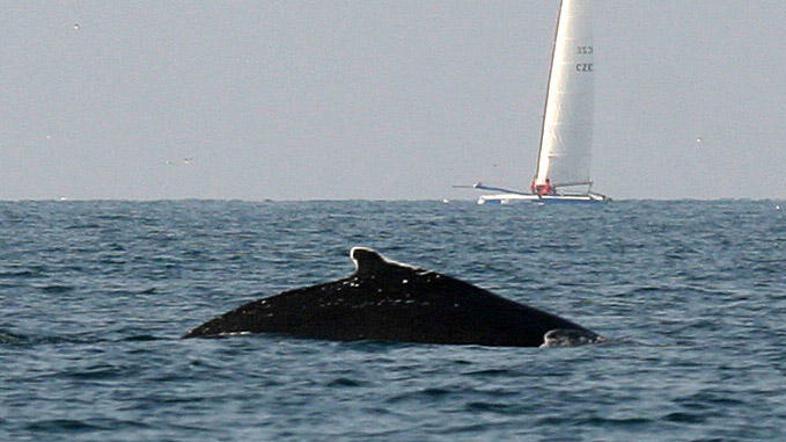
(385, 300)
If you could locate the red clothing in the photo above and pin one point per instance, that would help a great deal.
(542, 189)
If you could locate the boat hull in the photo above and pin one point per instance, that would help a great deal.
(515, 198)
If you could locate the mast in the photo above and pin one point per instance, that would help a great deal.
(548, 88)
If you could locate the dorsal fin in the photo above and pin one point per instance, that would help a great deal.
(369, 261)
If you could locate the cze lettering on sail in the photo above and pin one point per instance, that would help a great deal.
(584, 67)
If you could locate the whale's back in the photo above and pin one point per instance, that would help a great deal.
(388, 301)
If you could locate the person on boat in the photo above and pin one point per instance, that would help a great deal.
(549, 189)
(545, 189)
(542, 189)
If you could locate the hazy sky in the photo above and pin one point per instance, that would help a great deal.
(380, 99)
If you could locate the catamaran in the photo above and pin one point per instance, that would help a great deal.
(562, 174)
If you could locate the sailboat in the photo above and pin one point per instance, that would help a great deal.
(562, 174)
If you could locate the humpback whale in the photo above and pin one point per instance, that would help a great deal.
(384, 300)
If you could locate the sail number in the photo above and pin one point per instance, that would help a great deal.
(584, 50)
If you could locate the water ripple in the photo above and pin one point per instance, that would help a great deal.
(95, 295)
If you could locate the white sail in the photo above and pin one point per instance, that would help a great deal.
(566, 134)
(566, 138)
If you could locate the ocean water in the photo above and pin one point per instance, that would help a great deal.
(95, 295)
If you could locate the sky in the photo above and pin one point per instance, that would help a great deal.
(398, 99)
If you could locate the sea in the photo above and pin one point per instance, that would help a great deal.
(95, 296)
